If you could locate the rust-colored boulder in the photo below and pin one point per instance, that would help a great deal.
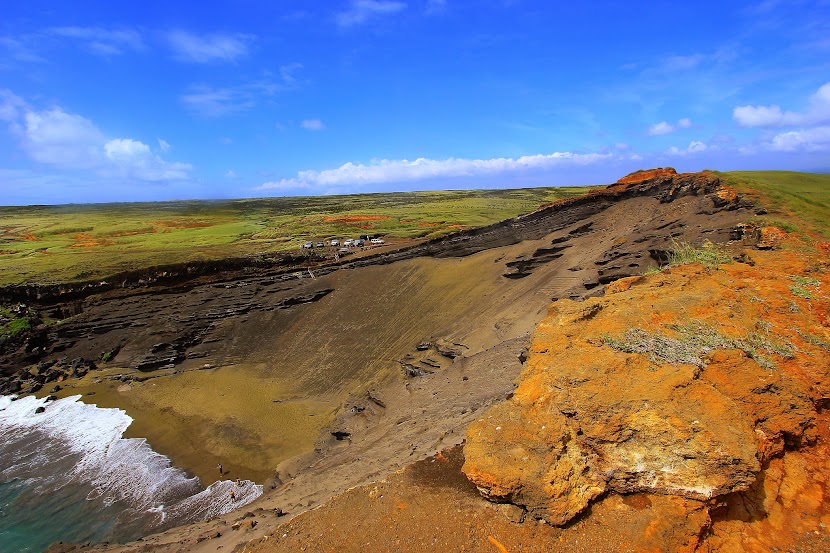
(680, 383)
(646, 174)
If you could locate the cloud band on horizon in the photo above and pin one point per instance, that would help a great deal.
(403, 170)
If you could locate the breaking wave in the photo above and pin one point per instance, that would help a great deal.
(70, 452)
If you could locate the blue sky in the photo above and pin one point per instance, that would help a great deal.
(114, 101)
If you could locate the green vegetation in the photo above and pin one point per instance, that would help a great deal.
(801, 292)
(709, 254)
(41, 244)
(787, 194)
(805, 281)
(11, 324)
(693, 341)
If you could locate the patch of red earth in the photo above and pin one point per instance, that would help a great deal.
(648, 174)
(88, 241)
(121, 233)
(428, 224)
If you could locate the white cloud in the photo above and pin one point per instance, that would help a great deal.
(760, 116)
(21, 49)
(209, 101)
(694, 147)
(126, 149)
(230, 174)
(63, 139)
(132, 158)
(164, 146)
(313, 125)
(663, 127)
(362, 11)
(811, 140)
(11, 105)
(660, 128)
(105, 42)
(818, 111)
(189, 47)
(396, 171)
(216, 102)
(70, 141)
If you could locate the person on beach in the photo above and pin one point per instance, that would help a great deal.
(219, 466)
(233, 496)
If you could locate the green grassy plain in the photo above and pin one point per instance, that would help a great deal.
(53, 244)
(787, 194)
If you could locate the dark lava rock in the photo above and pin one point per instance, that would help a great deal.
(411, 371)
(448, 349)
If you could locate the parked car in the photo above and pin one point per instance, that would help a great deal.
(308, 246)
(335, 242)
(320, 245)
(359, 242)
(344, 251)
(364, 236)
(348, 242)
(377, 241)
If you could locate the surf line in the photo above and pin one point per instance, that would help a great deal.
(117, 469)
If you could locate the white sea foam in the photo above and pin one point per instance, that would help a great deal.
(89, 440)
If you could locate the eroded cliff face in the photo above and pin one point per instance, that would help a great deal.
(684, 383)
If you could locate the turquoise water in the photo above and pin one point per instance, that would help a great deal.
(30, 521)
(67, 474)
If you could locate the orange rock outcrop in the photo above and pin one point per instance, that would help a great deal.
(684, 383)
(646, 174)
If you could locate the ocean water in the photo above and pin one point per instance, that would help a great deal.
(67, 474)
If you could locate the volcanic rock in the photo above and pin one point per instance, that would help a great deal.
(603, 407)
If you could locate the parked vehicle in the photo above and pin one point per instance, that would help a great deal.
(348, 242)
(377, 241)
(320, 245)
(335, 242)
(359, 242)
(344, 251)
(308, 246)
(364, 236)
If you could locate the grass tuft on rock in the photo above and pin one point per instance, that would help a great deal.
(708, 254)
(693, 341)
